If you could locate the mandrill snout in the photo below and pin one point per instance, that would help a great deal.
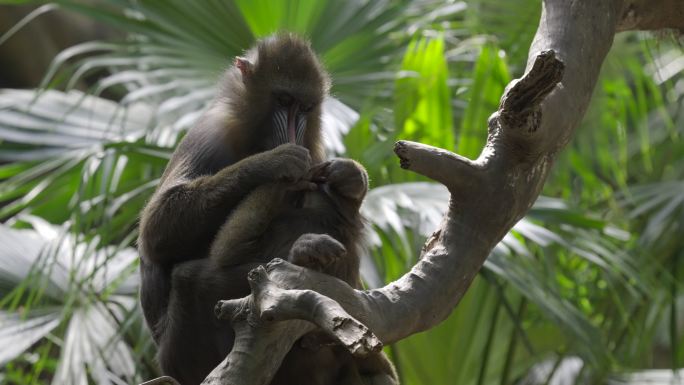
(289, 126)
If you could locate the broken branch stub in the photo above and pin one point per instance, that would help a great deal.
(269, 321)
(522, 99)
(271, 303)
(511, 133)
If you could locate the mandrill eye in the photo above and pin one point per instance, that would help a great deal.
(306, 109)
(284, 100)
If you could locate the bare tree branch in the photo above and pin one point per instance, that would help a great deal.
(271, 303)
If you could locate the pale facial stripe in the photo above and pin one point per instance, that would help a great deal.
(280, 123)
(279, 136)
(301, 127)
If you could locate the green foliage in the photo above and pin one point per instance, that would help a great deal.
(422, 101)
(489, 78)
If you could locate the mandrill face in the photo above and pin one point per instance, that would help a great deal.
(285, 77)
(289, 118)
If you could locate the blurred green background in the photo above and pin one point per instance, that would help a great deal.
(587, 289)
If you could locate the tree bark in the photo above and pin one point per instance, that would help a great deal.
(535, 120)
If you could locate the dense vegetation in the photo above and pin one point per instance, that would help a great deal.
(587, 287)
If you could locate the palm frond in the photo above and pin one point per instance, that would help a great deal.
(79, 295)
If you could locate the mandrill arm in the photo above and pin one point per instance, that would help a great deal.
(187, 211)
(237, 237)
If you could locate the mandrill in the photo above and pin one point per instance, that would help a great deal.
(249, 183)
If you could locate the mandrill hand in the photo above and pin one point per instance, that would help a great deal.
(286, 163)
(344, 176)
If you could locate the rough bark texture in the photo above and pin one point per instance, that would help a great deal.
(536, 119)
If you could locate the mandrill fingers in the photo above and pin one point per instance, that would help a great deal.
(346, 177)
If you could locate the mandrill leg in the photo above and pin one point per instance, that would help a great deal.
(245, 225)
(375, 369)
(249, 221)
(316, 251)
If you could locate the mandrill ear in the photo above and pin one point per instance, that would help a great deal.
(245, 66)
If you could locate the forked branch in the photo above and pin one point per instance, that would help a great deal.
(271, 303)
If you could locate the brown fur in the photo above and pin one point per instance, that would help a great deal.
(227, 203)
(281, 62)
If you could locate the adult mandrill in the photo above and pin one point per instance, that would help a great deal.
(248, 184)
